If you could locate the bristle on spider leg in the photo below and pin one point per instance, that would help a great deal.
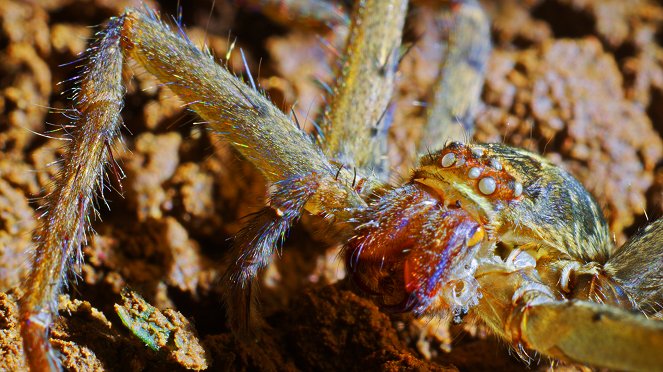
(247, 69)
(255, 244)
(294, 116)
(456, 95)
(328, 90)
(117, 171)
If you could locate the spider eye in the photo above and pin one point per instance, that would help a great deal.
(448, 160)
(474, 173)
(517, 189)
(477, 152)
(454, 145)
(495, 164)
(487, 185)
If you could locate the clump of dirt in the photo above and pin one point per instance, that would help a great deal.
(11, 343)
(168, 331)
(580, 81)
(348, 327)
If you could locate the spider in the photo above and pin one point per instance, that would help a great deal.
(480, 230)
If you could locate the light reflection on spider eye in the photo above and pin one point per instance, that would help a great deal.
(448, 160)
(517, 189)
(454, 145)
(477, 152)
(474, 173)
(487, 185)
(495, 164)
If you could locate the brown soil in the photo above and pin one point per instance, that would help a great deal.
(580, 81)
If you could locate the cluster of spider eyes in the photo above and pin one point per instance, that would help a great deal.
(487, 185)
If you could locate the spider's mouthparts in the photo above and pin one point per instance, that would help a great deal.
(407, 271)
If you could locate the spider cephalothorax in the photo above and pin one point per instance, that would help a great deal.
(430, 234)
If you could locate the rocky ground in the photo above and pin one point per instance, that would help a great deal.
(580, 81)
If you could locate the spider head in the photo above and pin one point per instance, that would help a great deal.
(475, 177)
(520, 197)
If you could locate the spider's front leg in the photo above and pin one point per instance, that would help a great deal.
(531, 315)
(233, 110)
(62, 226)
(354, 134)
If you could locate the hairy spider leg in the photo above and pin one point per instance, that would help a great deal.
(356, 122)
(455, 97)
(353, 135)
(521, 309)
(232, 109)
(61, 229)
